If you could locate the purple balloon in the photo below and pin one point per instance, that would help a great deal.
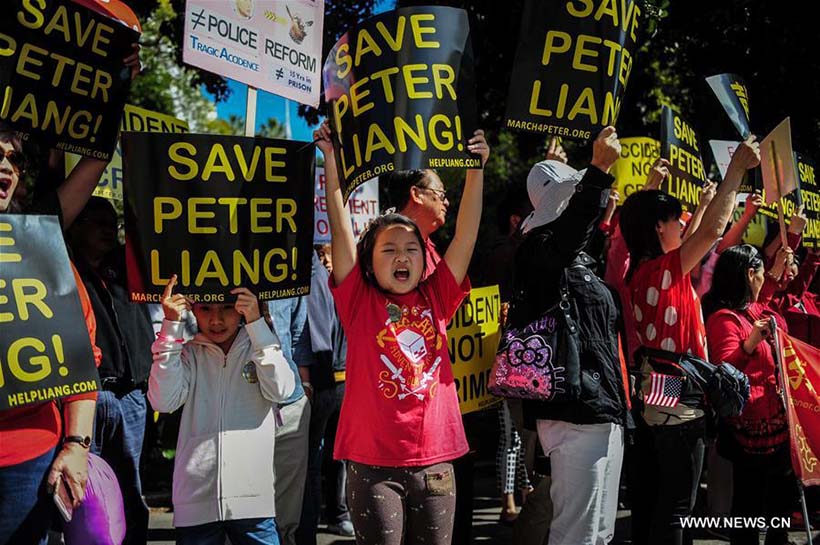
(100, 520)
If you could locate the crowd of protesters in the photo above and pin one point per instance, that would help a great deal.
(333, 401)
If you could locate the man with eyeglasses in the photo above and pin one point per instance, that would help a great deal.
(420, 195)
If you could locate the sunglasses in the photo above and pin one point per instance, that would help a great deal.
(441, 194)
(15, 158)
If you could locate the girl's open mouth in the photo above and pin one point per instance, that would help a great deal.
(401, 274)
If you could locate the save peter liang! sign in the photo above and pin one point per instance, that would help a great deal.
(572, 65)
(220, 212)
(62, 75)
(401, 92)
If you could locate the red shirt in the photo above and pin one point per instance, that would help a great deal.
(799, 306)
(33, 430)
(432, 258)
(726, 331)
(666, 308)
(400, 406)
(617, 263)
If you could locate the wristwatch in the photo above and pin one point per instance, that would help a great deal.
(84, 442)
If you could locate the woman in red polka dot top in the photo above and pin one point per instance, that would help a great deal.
(668, 316)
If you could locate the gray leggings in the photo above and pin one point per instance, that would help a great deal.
(402, 505)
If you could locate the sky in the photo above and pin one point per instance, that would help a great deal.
(269, 105)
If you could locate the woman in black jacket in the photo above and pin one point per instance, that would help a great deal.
(584, 438)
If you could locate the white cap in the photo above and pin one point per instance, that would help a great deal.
(550, 185)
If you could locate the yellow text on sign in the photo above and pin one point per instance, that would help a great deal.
(633, 166)
(135, 119)
(472, 339)
(22, 299)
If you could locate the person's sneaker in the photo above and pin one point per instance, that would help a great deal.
(344, 528)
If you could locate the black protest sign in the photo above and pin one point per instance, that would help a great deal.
(401, 93)
(680, 145)
(62, 75)
(572, 66)
(730, 90)
(220, 212)
(810, 199)
(45, 351)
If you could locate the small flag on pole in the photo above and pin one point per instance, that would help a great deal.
(665, 390)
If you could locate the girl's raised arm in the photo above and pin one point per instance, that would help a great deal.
(469, 212)
(342, 241)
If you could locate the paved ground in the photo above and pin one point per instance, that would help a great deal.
(486, 528)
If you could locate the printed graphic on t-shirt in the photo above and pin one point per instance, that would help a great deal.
(409, 346)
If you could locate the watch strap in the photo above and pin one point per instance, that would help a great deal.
(84, 441)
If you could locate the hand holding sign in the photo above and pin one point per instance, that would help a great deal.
(798, 221)
(753, 203)
(555, 151)
(606, 149)
(761, 330)
(174, 305)
(246, 304)
(747, 155)
(782, 260)
(132, 61)
(708, 193)
(322, 138)
(657, 174)
(613, 199)
(478, 145)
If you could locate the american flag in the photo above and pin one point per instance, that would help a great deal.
(665, 390)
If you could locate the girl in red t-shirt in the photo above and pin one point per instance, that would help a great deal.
(668, 316)
(400, 424)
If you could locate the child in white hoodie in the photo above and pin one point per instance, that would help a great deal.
(229, 379)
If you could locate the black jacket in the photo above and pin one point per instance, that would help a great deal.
(124, 329)
(540, 262)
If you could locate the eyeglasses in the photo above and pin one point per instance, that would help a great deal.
(441, 194)
(15, 158)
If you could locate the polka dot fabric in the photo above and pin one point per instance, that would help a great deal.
(666, 308)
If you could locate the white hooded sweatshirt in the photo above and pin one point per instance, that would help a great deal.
(224, 460)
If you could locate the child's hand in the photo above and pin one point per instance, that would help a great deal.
(247, 304)
(323, 141)
(478, 145)
(174, 305)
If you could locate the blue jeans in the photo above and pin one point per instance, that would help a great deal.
(118, 436)
(26, 508)
(241, 532)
